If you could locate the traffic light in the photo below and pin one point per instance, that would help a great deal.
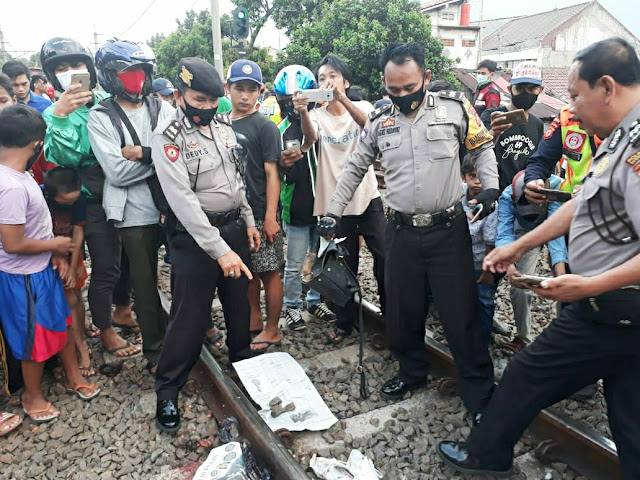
(240, 23)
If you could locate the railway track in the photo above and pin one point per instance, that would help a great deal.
(557, 438)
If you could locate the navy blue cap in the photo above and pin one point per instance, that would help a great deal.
(244, 70)
(162, 86)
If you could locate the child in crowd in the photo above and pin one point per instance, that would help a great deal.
(33, 309)
(483, 238)
(516, 217)
(67, 206)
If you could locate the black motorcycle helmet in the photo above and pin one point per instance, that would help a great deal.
(64, 49)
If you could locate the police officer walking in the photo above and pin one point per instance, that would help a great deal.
(597, 335)
(211, 229)
(427, 237)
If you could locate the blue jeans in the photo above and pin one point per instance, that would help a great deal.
(486, 297)
(299, 241)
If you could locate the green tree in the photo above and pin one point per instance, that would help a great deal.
(193, 38)
(358, 31)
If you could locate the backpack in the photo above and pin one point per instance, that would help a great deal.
(118, 118)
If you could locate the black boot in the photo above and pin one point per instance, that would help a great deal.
(168, 415)
(456, 455)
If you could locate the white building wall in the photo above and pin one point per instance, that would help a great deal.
(468, 55)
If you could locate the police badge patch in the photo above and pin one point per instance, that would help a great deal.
(172, 151)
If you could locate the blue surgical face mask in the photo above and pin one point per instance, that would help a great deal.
(482, 79)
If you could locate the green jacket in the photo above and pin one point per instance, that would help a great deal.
(67, 145)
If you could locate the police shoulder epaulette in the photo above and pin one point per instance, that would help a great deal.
(634, 133)
(173, 130)
(223, 118)
(386, 108)
(452, 94)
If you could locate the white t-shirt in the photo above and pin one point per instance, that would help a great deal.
(337, 139)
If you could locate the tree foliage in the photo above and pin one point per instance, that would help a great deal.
(358, 31)
(193, 38)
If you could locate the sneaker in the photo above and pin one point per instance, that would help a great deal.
(294, 319)
(500, 328)
(322, 312)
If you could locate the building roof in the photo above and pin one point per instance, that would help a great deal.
(431, 4)
(556, 81)
(531, 29)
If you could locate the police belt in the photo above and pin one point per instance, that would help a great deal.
(616, 307)
(215, 219)
(426, 219)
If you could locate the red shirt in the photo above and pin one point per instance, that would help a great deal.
(41, 166)
(486, 97)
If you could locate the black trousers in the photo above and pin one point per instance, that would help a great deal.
(195, 278)
(438, 257)
(571, 353)
(370, 225)
(110, 282)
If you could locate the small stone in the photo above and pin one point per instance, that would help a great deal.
(374, 421)
(275, 401)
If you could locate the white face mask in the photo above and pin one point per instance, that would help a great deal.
(65, 78)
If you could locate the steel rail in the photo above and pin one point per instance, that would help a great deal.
(225, 399)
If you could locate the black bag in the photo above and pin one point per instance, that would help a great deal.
(616, 307)
(333, 279)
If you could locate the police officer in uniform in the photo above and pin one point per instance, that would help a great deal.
(211, 229)
(597, 335)
(427, 238)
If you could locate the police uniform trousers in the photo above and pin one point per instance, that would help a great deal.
(439, 257)
(195, 278)
(370, 225)
(571, 353)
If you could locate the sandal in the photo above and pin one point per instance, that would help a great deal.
(216, 339)
(133, 329)
(337, 335)
(86, 372)
(49, 413)
(91, 331)
(123, 347)
(514, 346)
(9, 422)
(93, 389)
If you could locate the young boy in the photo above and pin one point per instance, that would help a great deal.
(33, 309)
(516, 216)
(483, 238)
(262, 178)
(67, 206)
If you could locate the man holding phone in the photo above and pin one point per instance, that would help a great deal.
(516, 132)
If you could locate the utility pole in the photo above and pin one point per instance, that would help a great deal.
(480, 32)
(217, 37)
(2, 42)
(95, 39)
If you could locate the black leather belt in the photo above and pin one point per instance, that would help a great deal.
(215, 219)
(427, 219)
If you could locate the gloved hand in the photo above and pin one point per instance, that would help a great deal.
(327, 225)
(487, 199)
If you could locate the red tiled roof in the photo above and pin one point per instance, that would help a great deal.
(531, 29)
(555, 81)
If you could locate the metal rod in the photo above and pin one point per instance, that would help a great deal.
(217, 37)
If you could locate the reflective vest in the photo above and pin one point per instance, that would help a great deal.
(577, 150)
(270, 108)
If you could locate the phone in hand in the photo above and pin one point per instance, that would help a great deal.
(84, 79)
(319, 95)
(532, 280)
(515, 117)
(477, 215)
(555, 195)
(292, 145)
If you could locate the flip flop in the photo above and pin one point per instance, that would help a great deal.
(9, 422)
(52, 414)
(215, 340)
(124, 347)
(91, 331)
(267, 343)
(338, 335)
(95, 391)
(86, 372)
(126, 329)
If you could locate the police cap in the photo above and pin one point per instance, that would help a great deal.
(199, 75)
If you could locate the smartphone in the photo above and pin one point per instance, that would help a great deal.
(83, 79)
(477, 215)
(318, 95)
(292, 145)
(515, 117)
(532, 280)
(555, 195)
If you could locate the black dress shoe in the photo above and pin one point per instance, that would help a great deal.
(167, 415)
(456, 455)
(475, 418)
(396, 388)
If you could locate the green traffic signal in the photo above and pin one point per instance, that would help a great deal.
(240, 23)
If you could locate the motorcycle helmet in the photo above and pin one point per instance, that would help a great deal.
(64, 49)
(287, 81)
(114, 58)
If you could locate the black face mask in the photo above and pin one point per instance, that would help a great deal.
(409, 103)
(36, 153)
(524, 101)
(199, 116)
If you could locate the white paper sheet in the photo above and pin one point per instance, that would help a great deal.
(279, 375)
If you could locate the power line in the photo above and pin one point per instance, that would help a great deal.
(138, 19)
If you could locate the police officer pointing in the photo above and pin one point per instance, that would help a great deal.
(211, 229)
(427, 237)
(597, 335)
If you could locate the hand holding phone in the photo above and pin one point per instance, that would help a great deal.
(555, 195)
(292, 144)
(84, 79)
(319, 95)
(532, 280)
(514, 117)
